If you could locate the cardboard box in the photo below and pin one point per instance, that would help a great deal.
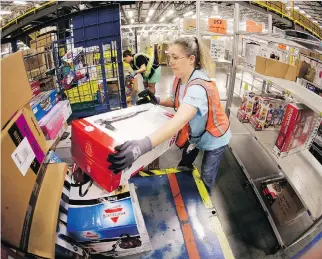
(287, 207)
(43, 41)
(162, 48)
(35, 61)
(249, 106)
(29, 210)
(37, 72)
(48, 83)
(43, 103)
(274, 68)
(118, 228)
(296, 127)
(54, 121)
(270, 113)
(93, 140)
(14, 82)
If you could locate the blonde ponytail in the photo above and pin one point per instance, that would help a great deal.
(194, 46)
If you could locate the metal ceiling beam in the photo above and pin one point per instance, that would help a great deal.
(124, 15)
(275, 17)
(160, 11)
(41, 13)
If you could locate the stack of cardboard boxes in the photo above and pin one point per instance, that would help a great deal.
(30, 189)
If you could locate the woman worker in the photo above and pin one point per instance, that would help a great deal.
(149, 68)
(200, 117)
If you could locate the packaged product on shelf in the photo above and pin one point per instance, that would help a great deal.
(29, 209)
(287, 207)
(295, 130)
(94, 138)
(110, 224)
(249, 106)
(63, 148)
(43, 103)
(53, 121)
(35, 88)
(270, 112)
(12, 99)
(66, 246)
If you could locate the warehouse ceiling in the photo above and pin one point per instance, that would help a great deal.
(152, 12)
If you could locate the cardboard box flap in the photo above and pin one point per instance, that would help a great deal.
(14, 82)
(44, 222)
(275, 68)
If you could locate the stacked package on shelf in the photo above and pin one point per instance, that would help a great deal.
(295, 130)
(63, 148)
(269, 112)
(54, 120)
(110, 224)
(94, 138)
(43, 102)
(249, 106)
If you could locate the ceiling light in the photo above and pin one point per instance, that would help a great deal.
(296, 8)
(315, 21)
(162, 19)
(147, 19)
(20, 2)
(194, 16)
(302, 12)
(308, 16)
(170, 12)
(5, 12)
(288, 7)
(130, 14)
(176, 19)
(150, 12)
(132, 20)
(188, 13)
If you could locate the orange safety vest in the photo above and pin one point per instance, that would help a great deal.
(217, 121)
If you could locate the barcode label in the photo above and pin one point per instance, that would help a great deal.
(23, 156)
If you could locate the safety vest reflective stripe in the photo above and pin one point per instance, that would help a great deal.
(148, 66)
(217, 121)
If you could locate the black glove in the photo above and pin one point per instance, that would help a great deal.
(128, 153)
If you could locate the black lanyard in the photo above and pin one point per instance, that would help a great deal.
(177, 89)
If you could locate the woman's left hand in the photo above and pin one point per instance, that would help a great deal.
(128, 153)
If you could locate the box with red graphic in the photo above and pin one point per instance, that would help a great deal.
(296, 127)
(249, 106)
(94, 138)
(109, 223)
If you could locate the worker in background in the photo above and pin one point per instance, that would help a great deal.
(200, 118)
(147, 66)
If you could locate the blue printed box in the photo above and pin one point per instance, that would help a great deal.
(101, 218)
(43, 103)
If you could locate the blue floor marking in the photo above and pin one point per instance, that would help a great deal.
(160, 217)
(206, 239)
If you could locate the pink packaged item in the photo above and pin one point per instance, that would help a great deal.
(55, 119)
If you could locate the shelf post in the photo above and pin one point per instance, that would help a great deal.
(230, 92)
(198, 18)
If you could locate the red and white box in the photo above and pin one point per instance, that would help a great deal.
(249, 106)
(94, 138)
(53, 121)
(295, 130)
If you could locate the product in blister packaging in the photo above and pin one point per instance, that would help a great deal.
(270, 112)
(249, 106)
(295, 130)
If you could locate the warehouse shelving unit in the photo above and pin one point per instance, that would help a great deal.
(254, 149)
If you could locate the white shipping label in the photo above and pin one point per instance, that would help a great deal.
(23, 156)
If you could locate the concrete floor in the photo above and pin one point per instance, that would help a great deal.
(244, 223)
